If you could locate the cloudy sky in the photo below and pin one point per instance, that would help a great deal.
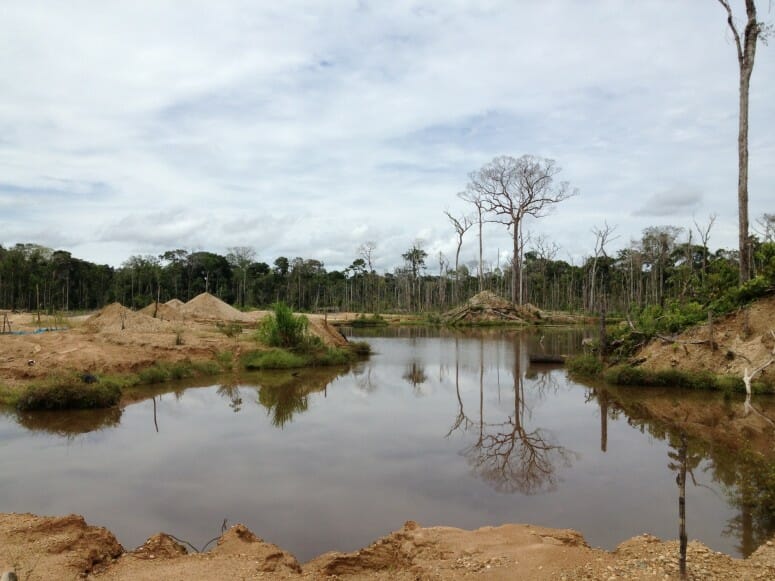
(305, 128)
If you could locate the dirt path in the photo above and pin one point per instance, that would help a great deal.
(67, 548)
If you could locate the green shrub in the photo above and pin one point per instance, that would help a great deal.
(584, 366)
(283, 329)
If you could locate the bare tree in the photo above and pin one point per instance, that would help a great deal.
(746, 53)
(603, 235)
(766, 228)
(513, 189)
(366, 252)
(461, 225)
(475, 197)
(704, 232)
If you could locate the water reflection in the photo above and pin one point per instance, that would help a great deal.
(69, 424)
(358, 453)
(510, 455)
(746, 477)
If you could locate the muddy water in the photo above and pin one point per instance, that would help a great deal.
(441, 427)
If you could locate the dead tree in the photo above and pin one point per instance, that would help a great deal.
(474, 197)
(512, 189)
(704, 233)
(461, 225)
(746, 53)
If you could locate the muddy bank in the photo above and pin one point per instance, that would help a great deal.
(68, 548)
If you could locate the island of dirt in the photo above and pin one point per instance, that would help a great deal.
(67, 547)
(119, 340)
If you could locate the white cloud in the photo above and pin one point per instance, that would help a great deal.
(306, 128)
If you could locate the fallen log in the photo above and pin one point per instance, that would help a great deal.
(546, 358)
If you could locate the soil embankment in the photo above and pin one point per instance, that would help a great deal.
(68, 548)
(119, 340)
(729, 345)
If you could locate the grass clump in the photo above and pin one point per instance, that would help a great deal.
(67, 392)
(275, 359)
(584, 365)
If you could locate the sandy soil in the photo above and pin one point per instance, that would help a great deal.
(740, 340)
(116, 339)
(68, 548)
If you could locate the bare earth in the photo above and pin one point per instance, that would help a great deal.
(116, 339)
(67, 548)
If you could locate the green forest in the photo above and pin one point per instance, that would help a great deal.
(663, 269)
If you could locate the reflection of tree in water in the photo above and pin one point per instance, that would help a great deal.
(232, 393)
(510, 455)
(747, 478)
(414, 374)
(70, 423)
(286, 394)
(282, 403)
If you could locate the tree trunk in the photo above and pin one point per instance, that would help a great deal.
(746, 67)
(515, 266)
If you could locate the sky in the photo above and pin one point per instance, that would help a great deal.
(307, 128)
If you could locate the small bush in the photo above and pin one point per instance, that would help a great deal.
(369, 321)
(206, 367)
(584, 366)
(282, 328)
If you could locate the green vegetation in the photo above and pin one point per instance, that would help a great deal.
(589, 366)
(67, 392)
(283, 329)
(229, 329)
(293, 346)
(79, 391)
(363, 320)
(584, 366)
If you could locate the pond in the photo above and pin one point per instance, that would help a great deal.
(441, 427)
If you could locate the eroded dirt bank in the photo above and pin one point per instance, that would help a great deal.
(68, 548)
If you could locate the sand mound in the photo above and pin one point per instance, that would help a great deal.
(208, 307)
(328, 333)
(489, 307)
(175, 303)
(164, 312)
(116, 317)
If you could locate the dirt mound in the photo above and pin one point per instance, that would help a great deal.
(487, 307)
(211, 308)
(328, 333)
(54, 547)
(740, 340)
(162, 311)
(160, 546)
(175, 303)
(116, 317)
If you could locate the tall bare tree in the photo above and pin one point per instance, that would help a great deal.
(513, 189)
(475, 197)
(746, 53)
(461, 225)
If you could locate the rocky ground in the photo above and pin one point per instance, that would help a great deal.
(68, 548)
